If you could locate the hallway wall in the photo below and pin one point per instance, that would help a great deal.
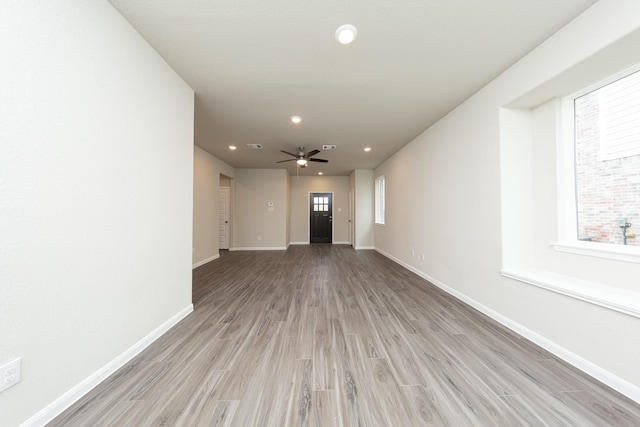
(96, 173)
(467, 199)
(206, 184)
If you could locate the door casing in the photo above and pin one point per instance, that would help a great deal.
(328, 216)
(223, 217)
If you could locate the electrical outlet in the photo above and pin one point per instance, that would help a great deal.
(10, 374)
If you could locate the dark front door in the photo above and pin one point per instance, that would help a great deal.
(321, 216)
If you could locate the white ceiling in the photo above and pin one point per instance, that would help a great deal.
(254, 63)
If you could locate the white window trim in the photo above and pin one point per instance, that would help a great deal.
(567, 218)
(620, 300)
(601, 250)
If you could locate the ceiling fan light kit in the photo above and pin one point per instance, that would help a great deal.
(302, 158)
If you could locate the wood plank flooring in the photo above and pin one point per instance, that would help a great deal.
(325, 335)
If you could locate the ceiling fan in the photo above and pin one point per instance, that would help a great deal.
(303, 158)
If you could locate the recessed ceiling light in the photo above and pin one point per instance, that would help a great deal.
(319, 173)
(232, 147)
(296, 119)
(367, 149)
(346, 34)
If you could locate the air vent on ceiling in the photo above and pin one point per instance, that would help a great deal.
(255, 146)
(328, 147)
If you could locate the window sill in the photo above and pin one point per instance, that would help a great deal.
(601, 250)
(621, 300)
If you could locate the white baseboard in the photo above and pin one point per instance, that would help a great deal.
(621, 385)
(70, 397)
(273, 248)
(299, 243)
(205, 261)
(341, 243)
(368, 248)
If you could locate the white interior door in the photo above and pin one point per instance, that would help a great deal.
(352, 236)
(223, 218)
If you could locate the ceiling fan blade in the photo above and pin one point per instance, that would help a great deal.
(319, 160)
(291, 154)
(312, 153)
(288, 160)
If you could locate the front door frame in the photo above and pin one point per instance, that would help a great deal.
(309, 200)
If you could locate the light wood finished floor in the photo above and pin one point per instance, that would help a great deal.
(328, 336)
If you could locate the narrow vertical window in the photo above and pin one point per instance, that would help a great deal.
(379, 199)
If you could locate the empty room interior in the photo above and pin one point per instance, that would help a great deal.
(279, 213)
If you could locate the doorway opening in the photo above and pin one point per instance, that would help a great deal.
(224, 213)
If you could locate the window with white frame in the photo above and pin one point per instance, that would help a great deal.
(606, 162)
(550, 125)
(379, 200)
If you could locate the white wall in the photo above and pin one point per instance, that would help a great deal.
(206, 187)
(96, 171)
(444, 200)
(256, 224)
(300, 189)
(363, 183)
